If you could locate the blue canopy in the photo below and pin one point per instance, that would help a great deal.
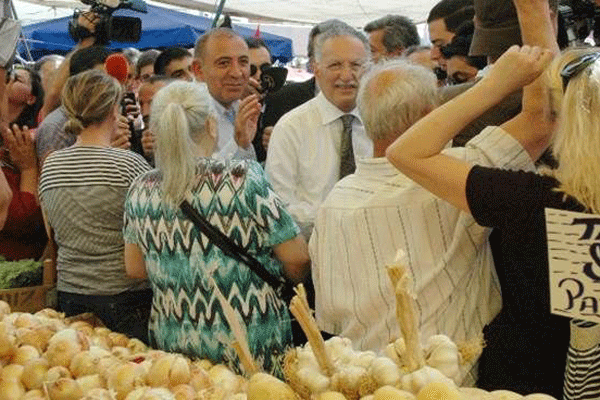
(161, 27)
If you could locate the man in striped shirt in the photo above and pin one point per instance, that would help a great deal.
(370, 215)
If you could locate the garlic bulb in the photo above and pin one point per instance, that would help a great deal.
(441, 353)
(469, 393)
(538, 396)
(439, 391)
(4, 309)
(37, 337)
(12, 372)
(7, 340)
(384, 371)
(505, 395)
(415, 381)
(35, 394)
(55, 373)
(392, 393)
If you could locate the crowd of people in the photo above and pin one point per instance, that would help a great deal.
(449, 152)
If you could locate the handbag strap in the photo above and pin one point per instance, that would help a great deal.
(228, 246)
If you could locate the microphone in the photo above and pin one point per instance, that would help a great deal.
(117, 66)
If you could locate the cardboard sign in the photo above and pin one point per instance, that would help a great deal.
(574, 260)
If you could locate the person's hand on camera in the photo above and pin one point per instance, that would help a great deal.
(19, 143)
(122, 134)
(247, 120)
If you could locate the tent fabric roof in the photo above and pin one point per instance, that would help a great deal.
(161, 27)
(355, 12)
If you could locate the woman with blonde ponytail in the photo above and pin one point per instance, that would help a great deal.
(188, 273)
(82, 192)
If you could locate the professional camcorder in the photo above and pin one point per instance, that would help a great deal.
(109, 27)
(577, 19)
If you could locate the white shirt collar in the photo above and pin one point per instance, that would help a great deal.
(329, 112)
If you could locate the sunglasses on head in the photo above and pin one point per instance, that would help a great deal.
(577, 66)
(254, 68)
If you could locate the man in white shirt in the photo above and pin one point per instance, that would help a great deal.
(221, 60)
(370, 215)
(308, 144)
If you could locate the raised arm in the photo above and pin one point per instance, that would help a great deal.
(417, 152)
(533, 126)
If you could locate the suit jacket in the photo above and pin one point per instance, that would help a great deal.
(277, 104)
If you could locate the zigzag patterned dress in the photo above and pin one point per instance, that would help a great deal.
(183, 268)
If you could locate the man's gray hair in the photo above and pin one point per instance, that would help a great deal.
(338, 29)
(393, 95)
(399, 32)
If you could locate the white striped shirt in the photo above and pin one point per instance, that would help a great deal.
(82, 192)
(369, 215)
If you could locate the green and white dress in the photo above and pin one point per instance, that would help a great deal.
(183, 267)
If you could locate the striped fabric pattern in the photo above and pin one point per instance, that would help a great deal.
(82, 190)
(372, 214)
(184, 268)
(582, 375)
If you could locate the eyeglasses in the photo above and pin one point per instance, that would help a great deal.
(577, 66)
(254, 69)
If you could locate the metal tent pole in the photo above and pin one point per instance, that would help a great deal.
(218, 13)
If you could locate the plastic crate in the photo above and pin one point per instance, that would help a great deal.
(32, 298)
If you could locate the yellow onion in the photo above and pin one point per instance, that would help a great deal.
(25, 353)
(120, 352)
(99, 394)
(64, 389)
(12, 372)
(170, 370)
(4, 309)
(147, 393)
(7, 340)
(89, 382)
(56, 373)
(50, 313)
(84, 363)
(10, 389)
(136, 346)
(35, 394)
(83, 327)
(124, 379)
(64, 345)
(37, 337)
(118, 339)
(199, 378)
(35, 373)
(184, 392)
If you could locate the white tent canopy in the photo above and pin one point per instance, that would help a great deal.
(354, 12)
(290, 18)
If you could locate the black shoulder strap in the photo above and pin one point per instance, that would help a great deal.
(228, 246)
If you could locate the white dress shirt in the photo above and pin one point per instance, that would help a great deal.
(303, 160)
(370, 215)
(227, 148)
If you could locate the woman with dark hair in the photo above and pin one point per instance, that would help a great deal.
(24, 97)
(23, 235)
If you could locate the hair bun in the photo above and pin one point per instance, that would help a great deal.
(73, 126)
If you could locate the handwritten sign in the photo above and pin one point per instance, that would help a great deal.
(574, 257)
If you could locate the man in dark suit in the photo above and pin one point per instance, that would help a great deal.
(292, 94)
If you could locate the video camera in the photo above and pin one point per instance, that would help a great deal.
(577, 19)
(109, 27)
